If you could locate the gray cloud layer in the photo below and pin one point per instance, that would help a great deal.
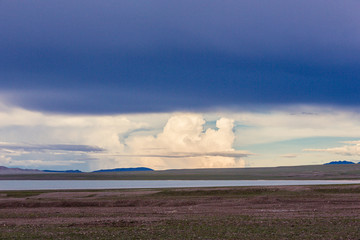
(50, 147)
(234, 154)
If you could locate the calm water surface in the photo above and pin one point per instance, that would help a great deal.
(123, 184)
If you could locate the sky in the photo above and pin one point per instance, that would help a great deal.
(178, 84)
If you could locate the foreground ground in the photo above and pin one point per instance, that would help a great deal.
(296, 212)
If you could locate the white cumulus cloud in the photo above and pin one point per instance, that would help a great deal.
(352, 148)
(184, 143)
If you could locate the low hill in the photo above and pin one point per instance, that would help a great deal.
(339, 162)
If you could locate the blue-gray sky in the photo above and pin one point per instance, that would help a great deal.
(150, 56)
(178, 84)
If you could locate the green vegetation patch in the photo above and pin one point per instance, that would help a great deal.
(235, 227)
(338, 190)
(22, 194)
(219, 192)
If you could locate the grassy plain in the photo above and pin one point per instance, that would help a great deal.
(314, 172)
(284, 212)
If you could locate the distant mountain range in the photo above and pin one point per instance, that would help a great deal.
(6, 170)
(339, 162)
(125, 169)
(65, 171)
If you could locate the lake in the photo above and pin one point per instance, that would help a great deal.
(127, 184)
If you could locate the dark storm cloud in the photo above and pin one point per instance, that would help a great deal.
(137, 56)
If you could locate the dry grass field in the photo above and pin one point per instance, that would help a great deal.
(286, 212)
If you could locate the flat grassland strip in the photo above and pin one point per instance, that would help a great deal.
(311, 172)
(284, 212)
